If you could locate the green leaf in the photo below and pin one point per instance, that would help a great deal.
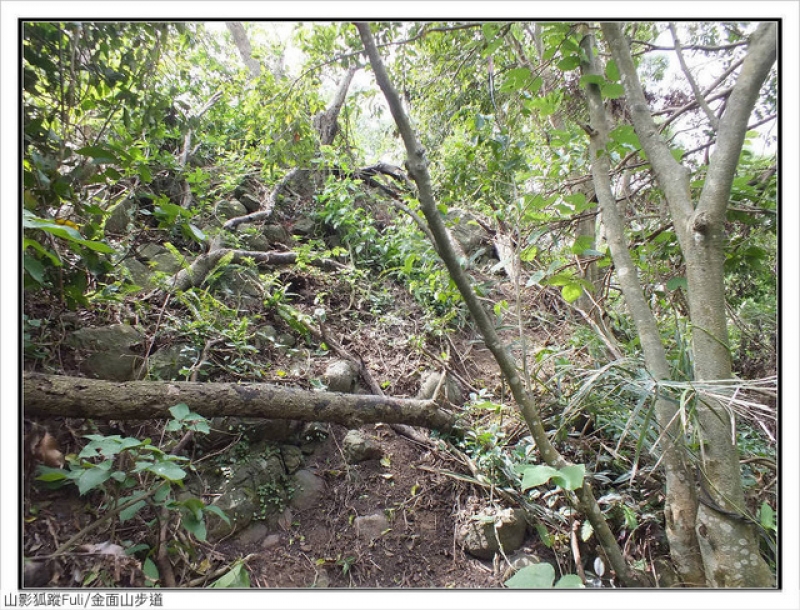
(516, 79)
(625, 136)
(537, 576)
(767, 517)
(98, 154)
(612, 72)
(211, 508)
(180, 411)
(192, 232)
(593, 79)
(677, 282)
(168, 470)
(528, 254)
(131, 511)
(236, 578)
(612, 91)
(34, 268)
(32, 243)
(150, 571)
(581, 244)
(569, 581)
(94, 477)
(533, 476)
(196, 527)
(107, 446)
(51, 474)
(586, 530)
(571, 292)
(569, 63)
(31, 221)
(570, 477)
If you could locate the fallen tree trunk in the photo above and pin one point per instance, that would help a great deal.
(64, 396)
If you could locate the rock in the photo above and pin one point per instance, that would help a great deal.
(483, 535)
(451, 391)
(250, 203)
(160, 259)
(239, 508)
(154, 257)
(292, 458)
(229, 208)
(265, 336)
(109, 351)
(277, 234)
(166, 363)
(321, 580)
(241, 282)
(470, 235)
(252, 238)
(308, 489)
(117, 337)
(271, 541)
(110, 366)
(303, 226)
(251, 488)
(370, 527)
(341, 376)
(668, 576)
(120, 216)
(358, 447)
(36, 573)
(253, 534)
(270, 430)
(285, 340)
(139, 273)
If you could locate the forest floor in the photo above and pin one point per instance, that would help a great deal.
(422, 489)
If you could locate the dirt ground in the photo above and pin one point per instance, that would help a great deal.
(321, 546)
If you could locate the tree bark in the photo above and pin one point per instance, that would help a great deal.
(61, 395)
(245, 50)
(681, 499)
(417, 166)
(729, 546)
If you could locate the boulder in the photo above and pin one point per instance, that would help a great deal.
(229, 208)
(292, 458)
(341, 376)
(120, 216)
(110, 352)
(358, 447)
(277, 234)
(166, 364)
(308, 489)
(484, 534)
(250, 203)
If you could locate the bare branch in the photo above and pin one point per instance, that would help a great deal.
(712, 118)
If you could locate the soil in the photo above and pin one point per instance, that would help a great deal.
(321, 547)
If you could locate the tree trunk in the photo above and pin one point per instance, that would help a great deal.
(727, 541)
(681, 503)
(245, 50)
(60, 396)
(417, 165)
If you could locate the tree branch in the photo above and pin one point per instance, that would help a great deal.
(60, 395)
